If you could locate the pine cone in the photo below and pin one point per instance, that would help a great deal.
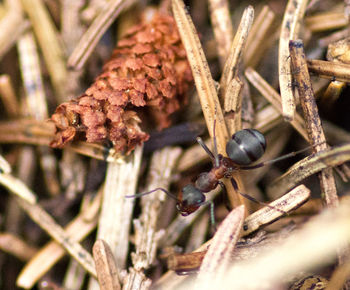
(148, 69)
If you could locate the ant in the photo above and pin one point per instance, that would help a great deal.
(243, 149)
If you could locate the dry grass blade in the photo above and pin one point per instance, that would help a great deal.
(201, 73)
(17, 247)
(312, 118)
(219, 254)
(4, 165)
(35, 132)
(230, 70)
(50, 45)
(205, 86)
(36, 104)
(47, 223)
(329, 70)
(116, 211)
(32, 77)
(222, 26)
(308, 166)
(27, 131)
(70, 17)
(17, 187)
(256, 42)
(233, 105)
(92, 36)
(11, 28)
(290, 27)
(185, 262)
(106, 269)
(48, 255)
(8, 96)
(230, 84)
(274, 98)
(333, 92)
(288, 202)
(162, 165)
(96, 151)
(326, 21)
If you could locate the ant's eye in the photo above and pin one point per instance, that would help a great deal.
(246, 146)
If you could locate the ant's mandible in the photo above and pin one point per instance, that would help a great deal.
(244, 148)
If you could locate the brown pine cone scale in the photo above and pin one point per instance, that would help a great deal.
(148, 69)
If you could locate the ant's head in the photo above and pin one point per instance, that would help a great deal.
(192, 198)
(246, 146)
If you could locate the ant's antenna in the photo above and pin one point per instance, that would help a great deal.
(137, 195)
(206, 149)
(215, 149)
(289, 155)
(214, 156)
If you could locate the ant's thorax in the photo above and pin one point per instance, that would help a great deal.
(225, 168)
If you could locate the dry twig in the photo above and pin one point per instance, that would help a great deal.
(8, 96)
(256, 41)
(106, 269)
(17, 247)
(290, 28)
(313, 122)
(329, 70)
(230, 91)
(222, 26)
(116, 211)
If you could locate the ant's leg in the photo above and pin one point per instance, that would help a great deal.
(247, 196)
(226, 200)
(206, 149)
(286, 156)
(212, 216)
(211, 209)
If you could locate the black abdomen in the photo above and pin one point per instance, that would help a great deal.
(246, 146)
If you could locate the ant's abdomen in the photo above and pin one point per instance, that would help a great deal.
(246, 146)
